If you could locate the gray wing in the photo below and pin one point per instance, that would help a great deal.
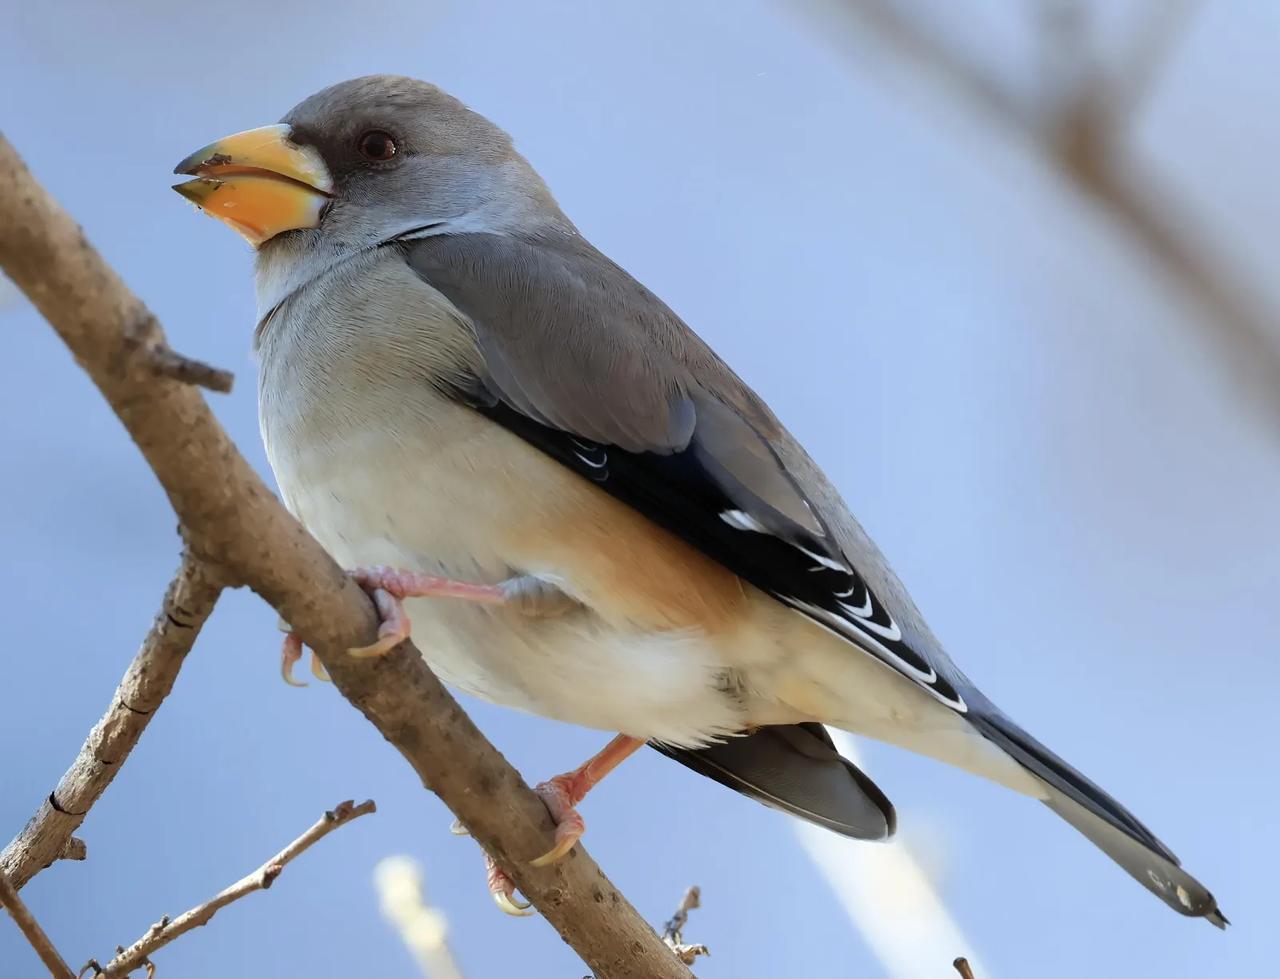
(586, 364)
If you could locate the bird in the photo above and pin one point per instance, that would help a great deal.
(585, 514)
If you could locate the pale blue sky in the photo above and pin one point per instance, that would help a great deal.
(1019, 408)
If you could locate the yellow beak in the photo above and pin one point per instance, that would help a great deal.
(259, 182)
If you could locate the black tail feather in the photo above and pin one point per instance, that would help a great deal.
(796, 768)
(1106, 823)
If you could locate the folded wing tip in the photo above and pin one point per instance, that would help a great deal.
(796, 769)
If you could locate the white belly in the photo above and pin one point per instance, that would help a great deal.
(373, 500)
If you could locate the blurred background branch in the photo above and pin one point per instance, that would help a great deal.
(423, 929)
(1078, 115)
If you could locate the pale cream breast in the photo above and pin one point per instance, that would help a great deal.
(385, 469)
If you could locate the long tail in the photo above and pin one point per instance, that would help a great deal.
(1106, 823)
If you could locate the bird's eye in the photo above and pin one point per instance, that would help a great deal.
(377, 146)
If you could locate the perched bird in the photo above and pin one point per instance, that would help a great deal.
(588, 515)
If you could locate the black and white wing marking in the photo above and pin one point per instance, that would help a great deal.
(691, 495)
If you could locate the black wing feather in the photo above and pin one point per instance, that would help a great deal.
(795, 768)
(677, 491)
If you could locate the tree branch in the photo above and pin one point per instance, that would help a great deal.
(230, 518)
(164, 931)
(147, 681)
(32, 931)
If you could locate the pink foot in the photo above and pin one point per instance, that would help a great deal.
(561, 794)
(290, 653)
(393, 627)
(388, 587)
(565, 791)
(503, 890)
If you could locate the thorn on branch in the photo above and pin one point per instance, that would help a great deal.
(74, 849)
(167, 362)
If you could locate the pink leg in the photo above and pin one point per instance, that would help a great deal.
(562, 793)
(388, 587)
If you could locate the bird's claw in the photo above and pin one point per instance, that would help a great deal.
(290, 653)
(560, 797)
(318, 671)
(509, 905)
(393, 628)
(503, 890)
(389, 587)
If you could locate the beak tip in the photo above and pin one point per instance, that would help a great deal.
(190, 165)
(198, 190)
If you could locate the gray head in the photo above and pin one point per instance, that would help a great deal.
(404, 154)
(359, 164)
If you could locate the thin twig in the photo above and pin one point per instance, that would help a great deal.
(423, 929)
(169, 363)
(962, 966)
(167, 929)
(229, 516)
(672, 931)
(148, 680)
(32, 931)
